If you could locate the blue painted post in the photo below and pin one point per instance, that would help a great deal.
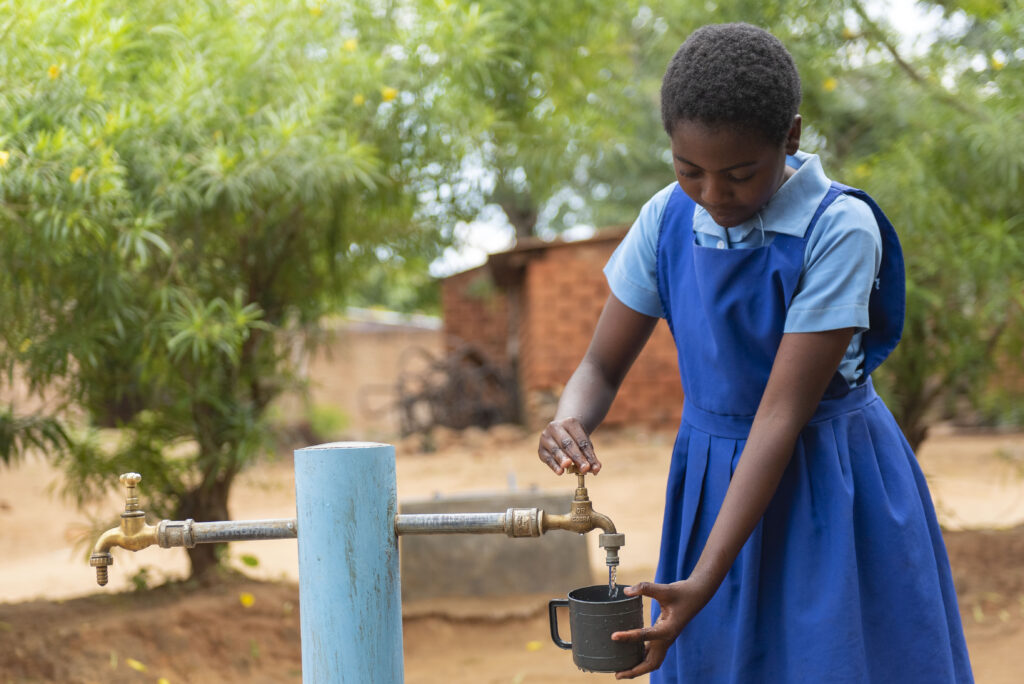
(349, 592)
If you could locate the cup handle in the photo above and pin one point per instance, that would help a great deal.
(553, 618)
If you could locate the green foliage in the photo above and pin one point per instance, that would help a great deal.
(942, 151)
(184, 187)
(327, 422)
(556, 89)
(249, 560)
(142, 578)
(19, 434)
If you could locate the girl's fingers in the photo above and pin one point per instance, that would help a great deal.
(548, 458)
(658, 592)
(653, 659)
(659, 630)
(564, 443)
(551, 454)
(568, 446)
(579, 436)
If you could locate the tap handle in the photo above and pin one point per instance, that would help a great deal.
(579, 476)
(580, 483)
(131, 495)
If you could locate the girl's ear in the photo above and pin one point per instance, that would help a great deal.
(793, 137)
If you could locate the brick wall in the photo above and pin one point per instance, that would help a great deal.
(563, 292)
(475, 311)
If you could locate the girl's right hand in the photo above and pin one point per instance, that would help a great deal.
(563, 443)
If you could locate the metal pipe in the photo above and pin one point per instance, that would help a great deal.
(239, 530)
(515, 522)
(188, 533)
(450, 523)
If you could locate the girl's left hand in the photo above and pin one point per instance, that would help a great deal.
(679, 602)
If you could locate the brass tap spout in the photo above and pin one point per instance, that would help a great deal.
(582, 518)
(133, 533)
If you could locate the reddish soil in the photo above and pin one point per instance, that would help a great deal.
(204, 635)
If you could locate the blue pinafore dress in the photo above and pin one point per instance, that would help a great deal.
(846, 577)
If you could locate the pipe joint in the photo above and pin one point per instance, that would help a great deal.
(523, 522)
(171, 533)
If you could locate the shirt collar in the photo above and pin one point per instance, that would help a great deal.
(789, 210)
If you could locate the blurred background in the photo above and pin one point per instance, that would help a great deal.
(231, 229)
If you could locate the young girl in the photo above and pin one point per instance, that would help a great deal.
(799, 541)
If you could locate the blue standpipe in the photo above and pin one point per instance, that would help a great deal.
(349, 591)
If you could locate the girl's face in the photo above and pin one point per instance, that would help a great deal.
(731, 173)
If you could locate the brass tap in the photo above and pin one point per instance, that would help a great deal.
(582, 518)
(132, 534)
(522, 522)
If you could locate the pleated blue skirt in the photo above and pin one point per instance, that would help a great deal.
(846, 577)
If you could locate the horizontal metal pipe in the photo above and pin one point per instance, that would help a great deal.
(188, 533)
(242, 530)
(450, 523)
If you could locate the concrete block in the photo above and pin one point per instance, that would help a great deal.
(493, 564)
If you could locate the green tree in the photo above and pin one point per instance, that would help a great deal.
(938, 139)
(184, 188)
(572, 93)
(559, 98)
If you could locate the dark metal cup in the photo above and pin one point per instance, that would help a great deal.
(593, 617)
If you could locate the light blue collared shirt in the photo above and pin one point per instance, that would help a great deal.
(841, 260)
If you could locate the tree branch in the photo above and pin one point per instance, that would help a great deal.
(879, 36)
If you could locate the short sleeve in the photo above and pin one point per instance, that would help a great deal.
(841, 264)
(632, 269)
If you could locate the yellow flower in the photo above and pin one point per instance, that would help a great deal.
(830, 84)
(76, 174)
(53, 72)
(246, 599)
(5, 156)
(997, 63)
(534, 645)
(358, 99)
(388, 93)
(135, 664)
(163, 680)
(25, 345)
(351, 44)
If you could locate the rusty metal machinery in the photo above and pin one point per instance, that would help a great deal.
(460, 389)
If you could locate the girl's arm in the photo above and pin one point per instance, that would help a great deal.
(618, 338)
(803, 367)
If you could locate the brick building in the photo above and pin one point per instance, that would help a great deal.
(534, 308)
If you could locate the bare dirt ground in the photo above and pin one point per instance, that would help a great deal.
(57, 626)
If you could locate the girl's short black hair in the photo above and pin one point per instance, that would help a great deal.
(732, 74)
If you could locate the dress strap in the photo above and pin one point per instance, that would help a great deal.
(678, 218)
